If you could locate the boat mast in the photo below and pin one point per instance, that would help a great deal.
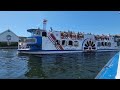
(44, 24)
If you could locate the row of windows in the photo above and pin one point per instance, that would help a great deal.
(65, 43)
(44, 34)
(104, 44)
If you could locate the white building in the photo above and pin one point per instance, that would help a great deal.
(8, 36)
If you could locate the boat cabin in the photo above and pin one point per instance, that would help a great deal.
(38, 32)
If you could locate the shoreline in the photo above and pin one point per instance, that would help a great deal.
(12, 47)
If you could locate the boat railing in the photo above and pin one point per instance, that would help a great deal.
(23, 45)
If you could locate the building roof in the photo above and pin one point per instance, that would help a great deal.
(8, 31)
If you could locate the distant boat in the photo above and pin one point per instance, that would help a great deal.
(42, 41)
(111, 70)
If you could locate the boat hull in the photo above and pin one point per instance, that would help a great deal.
(57, 51)
(48, 51)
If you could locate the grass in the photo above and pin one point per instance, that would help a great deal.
(4, 44)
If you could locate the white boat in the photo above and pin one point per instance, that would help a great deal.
(43, 41)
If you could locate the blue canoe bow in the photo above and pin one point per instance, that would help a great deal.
(111, 70)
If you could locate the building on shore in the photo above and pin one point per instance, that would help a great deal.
(8, 38)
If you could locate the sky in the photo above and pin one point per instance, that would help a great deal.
(95, 22)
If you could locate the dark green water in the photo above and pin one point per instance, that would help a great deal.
(57, 66)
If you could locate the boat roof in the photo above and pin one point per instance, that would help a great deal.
(34, 30)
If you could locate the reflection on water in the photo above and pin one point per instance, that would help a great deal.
(12, 66)
(57, 66)
(35, 68)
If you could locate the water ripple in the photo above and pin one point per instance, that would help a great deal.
(57, 66)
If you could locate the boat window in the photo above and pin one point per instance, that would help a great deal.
(58, 42)
(76, 43)
(70, 43)
(105, 43)
(118, 43)
(99, 44)
(109, 44)
(31, 40)
(28, 46)
(37, 32)
(102, 43)
(63, 42)
(44, 34)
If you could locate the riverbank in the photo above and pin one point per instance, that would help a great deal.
(10, 47)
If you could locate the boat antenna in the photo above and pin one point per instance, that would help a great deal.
(44, 24)
(51, 29)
